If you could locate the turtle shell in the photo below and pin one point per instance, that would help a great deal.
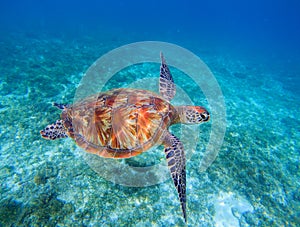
(120, 123)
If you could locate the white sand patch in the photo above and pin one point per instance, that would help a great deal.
(229, 208)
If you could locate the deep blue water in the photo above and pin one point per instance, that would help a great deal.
(271, 23)
(251, 47)
(262, 29)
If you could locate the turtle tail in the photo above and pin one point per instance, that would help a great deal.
(61, 106)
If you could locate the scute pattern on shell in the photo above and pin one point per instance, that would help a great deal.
(120, 123)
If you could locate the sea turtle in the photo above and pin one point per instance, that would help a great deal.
(122, 123)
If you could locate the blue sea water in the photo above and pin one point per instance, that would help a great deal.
(251, 47)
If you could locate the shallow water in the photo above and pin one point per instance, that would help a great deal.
(252, 50)
(253, 182)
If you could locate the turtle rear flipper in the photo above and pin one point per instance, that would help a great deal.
(54, 131)
(176, 162)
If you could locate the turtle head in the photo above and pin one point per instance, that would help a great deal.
(192, 114)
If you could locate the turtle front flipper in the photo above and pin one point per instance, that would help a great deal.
(54, 131)
(176, 162)
(167, 86)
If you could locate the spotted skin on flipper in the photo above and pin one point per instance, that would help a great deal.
(175, 156)
(54, 131)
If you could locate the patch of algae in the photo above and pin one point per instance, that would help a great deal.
(45, 210)
(10, 211)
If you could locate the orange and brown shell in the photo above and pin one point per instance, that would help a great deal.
(120, 123)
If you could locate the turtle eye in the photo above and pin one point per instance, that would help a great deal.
(204, 116)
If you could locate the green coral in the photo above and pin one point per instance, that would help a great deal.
(10, 211)
(39, 179)
(47, 210)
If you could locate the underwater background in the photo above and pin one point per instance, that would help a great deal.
(252, 49)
